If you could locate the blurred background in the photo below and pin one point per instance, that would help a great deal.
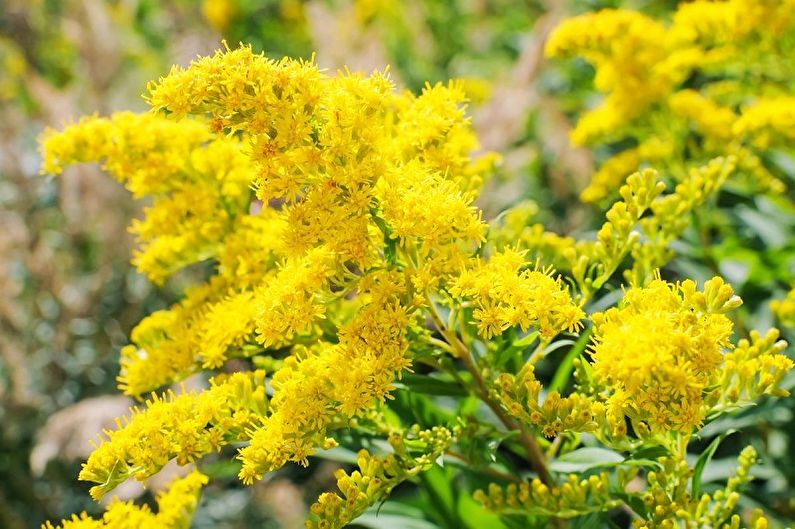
(68, 295)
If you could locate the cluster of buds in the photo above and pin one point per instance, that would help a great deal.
(574, 497)
(594, 262)
(378, 475)
(521, 397)
(670, 505)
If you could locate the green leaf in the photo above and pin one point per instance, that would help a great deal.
(563, 373)
(586, 458)
(338, 454)
(475, 516)
(438, 485)
(430, 385)
(649, 452)
(633, 502)
(525, 341)
(394, 515)
(221, 469)
(702, 461)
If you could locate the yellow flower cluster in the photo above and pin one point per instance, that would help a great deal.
(767, 121)
(185, 427)
(507, 294)
(784, 309)
(199, 182)
(641, 68)
(377, 476)
(321, 144)
(660, 350)
(330, 382)
(201, 330)
(336, 213)
(175, 509)
(574, 497)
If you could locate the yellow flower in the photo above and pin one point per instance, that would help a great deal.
(508, 294)
(662, 348)
(185, 428)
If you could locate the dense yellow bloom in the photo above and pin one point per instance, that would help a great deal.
(144, 151)
(199, 182)
(292, 302)
(661, 349)
(726, 22)
(767, 121)
(507, 294)
(633, 65)
(713, 120)
(405, 195)
(334, 213)
(322, 143)
(184, 427)
(328, 382)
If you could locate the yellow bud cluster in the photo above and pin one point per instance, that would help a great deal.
(594, 262)
(377, 476)
(613, 171)
(670, 505)
(185, 427)
(784, 309)
(671, 216)
(175, 509)
(506, 294)
(754, 368)
(521, 397)
(574, 497)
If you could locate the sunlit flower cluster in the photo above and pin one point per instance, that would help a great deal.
(331, 227)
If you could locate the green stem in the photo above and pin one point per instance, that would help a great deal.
(534, 453)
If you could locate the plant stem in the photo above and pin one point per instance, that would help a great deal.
(534, 454)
